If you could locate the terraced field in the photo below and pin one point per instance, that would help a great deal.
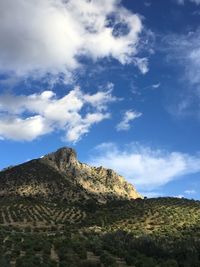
(159, 215)
(26, 213)
(163, 232)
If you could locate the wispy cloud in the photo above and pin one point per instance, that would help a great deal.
(27, 117)
(145, 167)
(142, 64)
(190, 192)
(147, 4)
(60, 32)
(128, 117)
(182, 2)
(155, 86)
(183, 52)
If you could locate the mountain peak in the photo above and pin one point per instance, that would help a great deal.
(61, 158)
(63, 153)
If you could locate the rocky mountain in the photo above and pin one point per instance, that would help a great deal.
(59, 175)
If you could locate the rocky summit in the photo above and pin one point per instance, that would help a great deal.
(59, 175)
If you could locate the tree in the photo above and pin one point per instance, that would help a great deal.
(170, 263)
(91, 205)
(107, 260)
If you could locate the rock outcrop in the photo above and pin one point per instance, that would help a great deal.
(61, 176)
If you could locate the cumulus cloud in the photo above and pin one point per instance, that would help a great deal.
(26, 117)
(50, 36)
(128, 116)
(23, 129)
(146, 168)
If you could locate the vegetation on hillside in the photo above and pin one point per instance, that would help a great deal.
(163, 232)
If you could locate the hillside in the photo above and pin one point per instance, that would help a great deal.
(61, 176)
(163, 232)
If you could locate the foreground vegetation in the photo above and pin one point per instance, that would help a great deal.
(162, 232)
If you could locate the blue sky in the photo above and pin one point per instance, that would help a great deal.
(117, 80)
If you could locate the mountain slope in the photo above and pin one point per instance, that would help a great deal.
(61, 176)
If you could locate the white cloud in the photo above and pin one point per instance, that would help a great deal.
(49, 36)
(156, 85)
(76, 131)
(28, 117)
(24, 129)
(185, 50)
(179, 196)
(146, 168)
(181, 2)
(142, 64)
(190, 192)
(128, 116)
(151, 194)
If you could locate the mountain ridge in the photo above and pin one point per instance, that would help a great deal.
(60, 175)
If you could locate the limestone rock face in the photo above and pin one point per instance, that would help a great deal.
(61, 176)
(62, 159)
